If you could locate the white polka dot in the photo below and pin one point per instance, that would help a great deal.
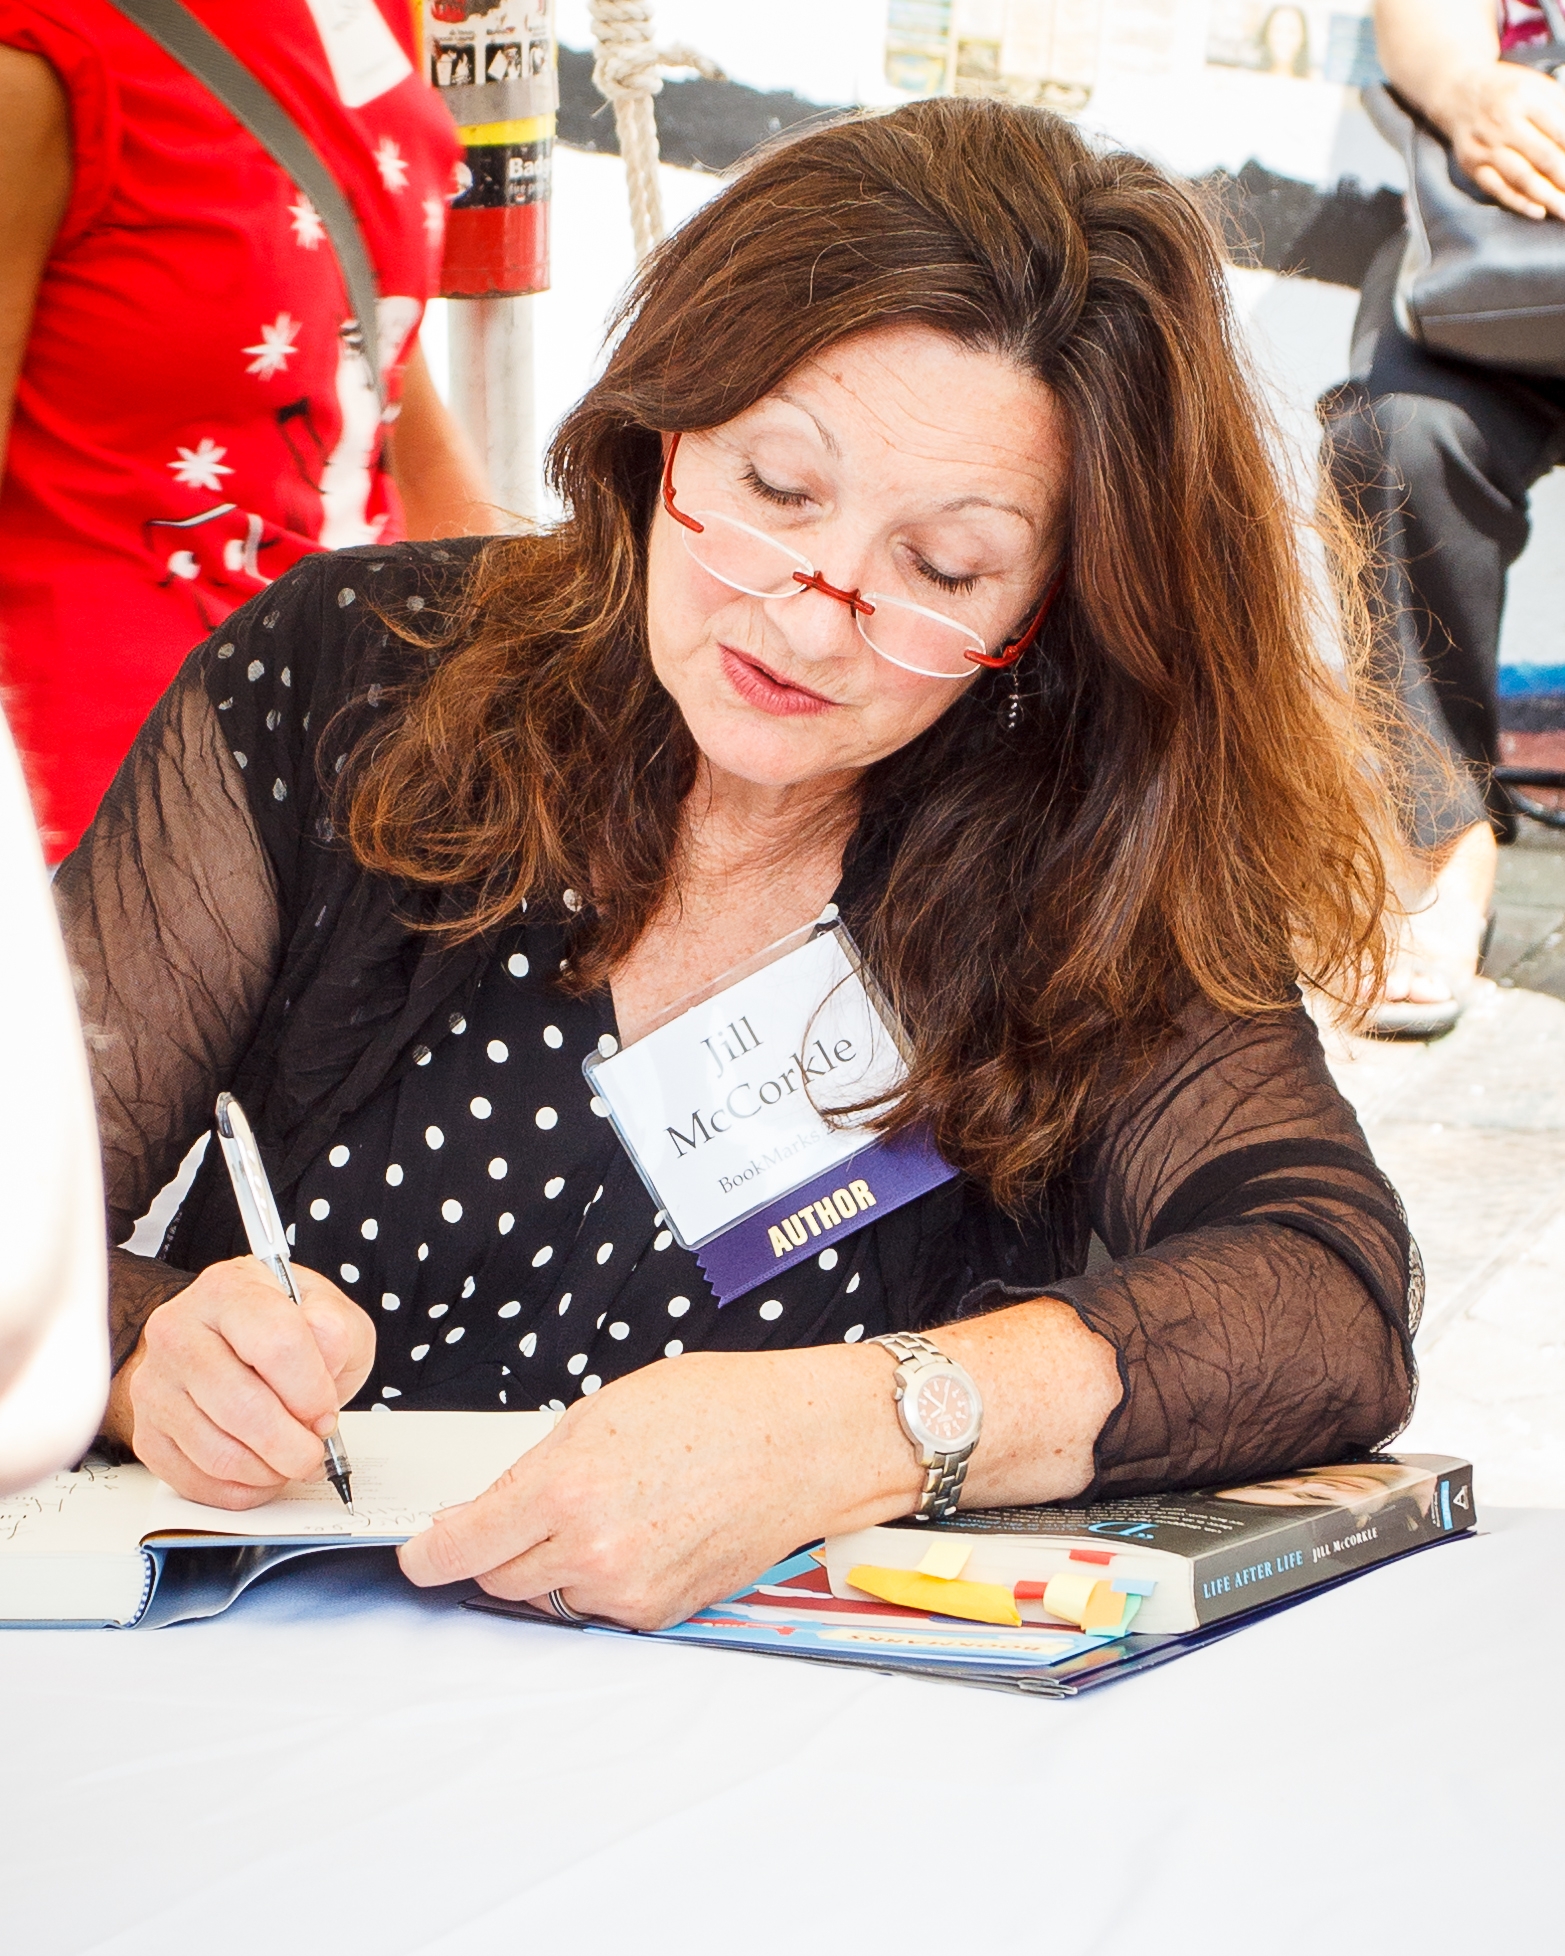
(542, 1256)
(608, 1045)
(469, 1286)
(338, 1156)
(226, 651)
(827, 1259)
(479, 1108)
(572, 902)
(242, 759)
(273, 720)
(552, 1187)
(853, 1334)
(419, 1351)
(451, 1209)
(552, 1036)
(677, 1306)
(433, 1137)
(619, 1329)
(602, 1315)
(394, 1174)
(853, 1284)
(457, 1023)
(498, 1168)
(389, 1301)
(605, 1251)
(507, 1223)
(662, 1240)
(502, 1399)
(320, 1208)
(498, 1050)
(511, 1310)
(771, 1310)
(456, 1334)
(279, 789)
(528, 1345)
(517, 965)
(422, 1056)
(546, 1118)
(286, 676)
(391, 1392)
(254, 671)
(349, 1272)
(423, 1253)
(576, 1365)
(369, 1229)
(415, 603)
(591, 1382)
(673, 1348)
(438, 1310)
(565, 1302)
(599, 1107)
(346, 595)
(291, 1235)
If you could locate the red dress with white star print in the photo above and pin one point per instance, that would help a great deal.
(191, 418)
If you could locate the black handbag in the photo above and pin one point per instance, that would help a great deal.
(1477, 281)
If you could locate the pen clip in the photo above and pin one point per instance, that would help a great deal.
(263, 1226)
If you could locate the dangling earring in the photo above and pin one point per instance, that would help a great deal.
(1013, 706)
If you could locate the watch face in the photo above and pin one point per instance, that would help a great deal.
(944, 1408)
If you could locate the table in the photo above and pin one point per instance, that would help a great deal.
(347, 1765)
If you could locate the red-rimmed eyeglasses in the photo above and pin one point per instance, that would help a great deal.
(908, 635)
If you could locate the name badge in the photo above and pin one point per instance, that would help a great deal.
(731, 1110)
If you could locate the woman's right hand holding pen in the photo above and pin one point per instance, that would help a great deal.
(233, 1387)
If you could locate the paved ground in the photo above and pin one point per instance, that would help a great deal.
(1471, 1128)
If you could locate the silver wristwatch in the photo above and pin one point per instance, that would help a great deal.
(941, 1413)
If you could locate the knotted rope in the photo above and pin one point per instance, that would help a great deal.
(626, 73)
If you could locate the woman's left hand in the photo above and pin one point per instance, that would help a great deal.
(681, 1482)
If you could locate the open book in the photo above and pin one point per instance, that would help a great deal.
(114, 1545)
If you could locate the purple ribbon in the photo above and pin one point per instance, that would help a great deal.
(884, 1176)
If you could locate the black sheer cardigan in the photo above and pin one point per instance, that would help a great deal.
(1260, 1289)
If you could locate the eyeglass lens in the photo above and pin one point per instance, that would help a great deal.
(917, 640)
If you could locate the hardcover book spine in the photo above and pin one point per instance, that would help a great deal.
(1323, 1543)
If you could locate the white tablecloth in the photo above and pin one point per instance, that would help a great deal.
(344, 1765)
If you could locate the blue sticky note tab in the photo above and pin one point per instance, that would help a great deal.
(1134, 1585)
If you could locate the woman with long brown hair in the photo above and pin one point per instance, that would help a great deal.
(924, 568)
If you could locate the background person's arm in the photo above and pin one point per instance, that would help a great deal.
(438, 476)
(35, 186)
(1506, 122)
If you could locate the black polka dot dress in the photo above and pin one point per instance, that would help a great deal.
(483, 1211)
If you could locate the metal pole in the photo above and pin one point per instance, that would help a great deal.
(492, 396)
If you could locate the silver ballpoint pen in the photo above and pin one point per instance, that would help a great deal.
(264, 1229)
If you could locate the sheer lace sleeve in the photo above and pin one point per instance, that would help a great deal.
(169, 910)
(1265, 1290)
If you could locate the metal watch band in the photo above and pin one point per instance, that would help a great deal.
(944, 1473)
(910, 1344)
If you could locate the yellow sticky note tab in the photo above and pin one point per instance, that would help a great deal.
(974, 1602)
(1069, 1593)
(948, 1556)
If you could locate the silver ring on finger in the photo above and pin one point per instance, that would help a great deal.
(562, 1609)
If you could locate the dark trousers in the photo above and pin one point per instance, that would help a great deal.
(1436, 457)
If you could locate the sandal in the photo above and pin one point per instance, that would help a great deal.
(1410, 1018)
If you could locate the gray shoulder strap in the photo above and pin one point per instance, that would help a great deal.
(177, 31)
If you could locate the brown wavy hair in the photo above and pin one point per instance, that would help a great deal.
(1193, 801)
